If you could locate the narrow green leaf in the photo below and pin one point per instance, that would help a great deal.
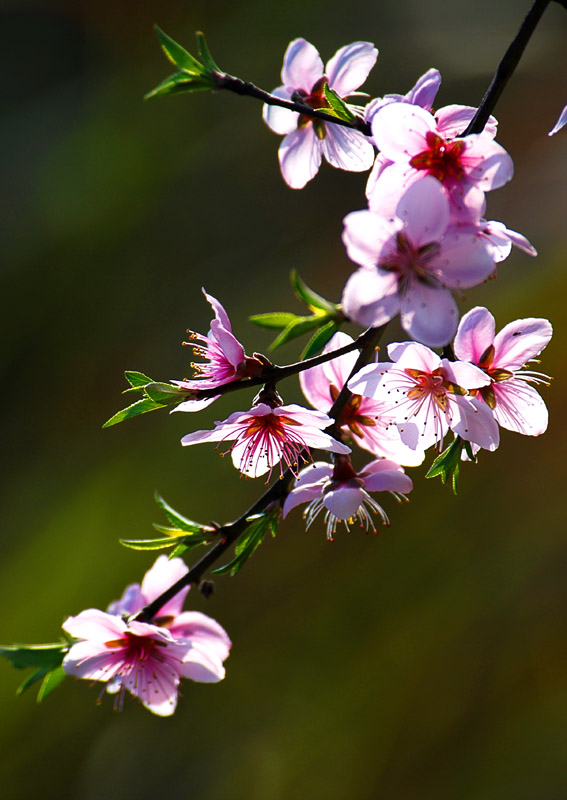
(34, 655)
(205, 53)
(136, 379)
(51, 682)
(447, 464)
(178, 55)
(31, 680)
(273, 319)
(151, 544)
(181, 522)
(320, 339)
(189, 539)
(164, 393)
(337, 104)
(296, 328)
(181, 82)
(139, 407)
(178, 551)
(311, 298)
(250, 541)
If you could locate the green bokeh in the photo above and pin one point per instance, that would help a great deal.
(427, 662)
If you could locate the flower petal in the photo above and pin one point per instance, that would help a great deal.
(520, 341)
(424, 207)
(300, 156)
(350, 66)
(475, 334)
(347, 149)
(280, 120)
(302, 65)
(370, 297)
(519, 408)
(428, 314)
(399, 130)
(164, 573)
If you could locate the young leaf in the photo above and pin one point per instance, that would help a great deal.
(34, 655)
(251, 540)
(337, 104)
(164, 393)
(298, 327)
(447, 464)
(320, 339)
(31, 680)
(51, 682)
(152, 544)
(273, 319)
(181, 82)
(139, 407)
(313, 300)
(136, 379)
(178, 55)
(181, 522)
(205, 53)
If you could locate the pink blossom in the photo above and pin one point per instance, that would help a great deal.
(225, 359)
(503, 357)
(362, 417)
(343, 493)
(307, 140)
(427, 395)
(412, 261)
(417, 144)
(561, 122)
(265, 436)
(147, 659)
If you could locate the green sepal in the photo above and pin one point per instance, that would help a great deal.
(447, 464)
(338, 106)
(273, 319)
(205, 53)
(180, 522)
(139, 407)
(137, 380)
(320, 339)
(181, 82)
(250, 540)
(51, 681)
(178, 55)
(313, 300)
(45, 656)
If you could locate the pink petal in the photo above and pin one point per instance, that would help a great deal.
(519, 408)
(280, 120)
(465, 375)
(164, 573)
(155, 684)
(92, 661)
(231, 347)
(366, 235)
(302, 65)
(389, 480)
(195, 405)
(369, 379)
(300, 156)
(475, 422)
(475, 334)
(520, 341)
(428, 314)
(201, 665)
(219, 310)
(488, 164)
(344, 501)
(424, 207)
(347, 149)
(399, 130)
(466, 258)
(387, 190)
(453, 120)
(425, 90)
(198, 627)
(350, 66)
(95, 625)
(561, 122)
(370, 297)
(412, 355)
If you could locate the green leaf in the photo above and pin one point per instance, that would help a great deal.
(337, 104)
(178, 55)
(181, 82)
(179, 550)
(139, 407)
(31, 680)
(296, 328)
(188, 539)
(447, 464)
(273, 319)
(250, 541)
(51, 682)
(205, 53)
(34, 655)
(136, 379)
(164, 393)
(320, 339)
(311, 298)
(151, 544)
(181, 522)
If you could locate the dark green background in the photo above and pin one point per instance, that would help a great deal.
(429, 662)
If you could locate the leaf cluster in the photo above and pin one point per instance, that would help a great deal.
(46, 658)
(154, 395)
(447, 464)
(192, 75)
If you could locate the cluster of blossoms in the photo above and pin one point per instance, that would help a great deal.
(422, 237)
(147, 660)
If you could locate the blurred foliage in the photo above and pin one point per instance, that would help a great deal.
(428, 662)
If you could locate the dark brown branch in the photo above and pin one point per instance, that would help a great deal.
(506, 68)
(238, 86)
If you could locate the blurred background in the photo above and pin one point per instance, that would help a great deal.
(427, 662)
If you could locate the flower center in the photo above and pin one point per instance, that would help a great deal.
(315, 99)
(410, 262)
(442, 159)
(350, 415)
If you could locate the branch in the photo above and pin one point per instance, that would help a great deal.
(506, 67)
(279, 489)
(238, 86)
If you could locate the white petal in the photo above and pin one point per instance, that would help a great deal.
(302, 65)
(280, 120)
(347, 149)
(300, 156)
(350, 66)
